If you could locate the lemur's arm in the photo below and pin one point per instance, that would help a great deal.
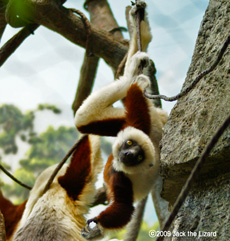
(118, 213)
(97, 115)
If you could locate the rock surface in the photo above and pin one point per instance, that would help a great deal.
(196, 117)
(191, 125)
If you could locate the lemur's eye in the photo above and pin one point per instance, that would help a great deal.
(140, 157)
(129, 143)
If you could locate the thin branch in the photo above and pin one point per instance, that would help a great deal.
(69, 153)
(197, 79)
(101, 16)
(151, 73)
(193, 175)
(87, 28)
(11, 45)
(86, 81)
(14, 178)
(100, 197)
(121, 66)
(138, 24)
(133, 231)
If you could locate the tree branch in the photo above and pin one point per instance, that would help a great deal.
(66, 23)
(11, 45)
(100, 197)
(14, 178)
(138, 24)
(86, 81)
(102, 18)
(134, 225)
(2, 18)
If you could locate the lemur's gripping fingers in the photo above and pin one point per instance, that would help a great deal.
(141, 5)
(144, 62)
(95, 220)
(91, 233)
(138, 62)
(141, 59)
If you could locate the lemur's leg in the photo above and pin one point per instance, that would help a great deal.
(146, 36)
(96, 115)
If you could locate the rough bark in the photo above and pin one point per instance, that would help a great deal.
(192, 123)
(2, 19)
(2, 228)
(66, 23)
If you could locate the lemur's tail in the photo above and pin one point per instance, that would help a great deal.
(78, 179)
(81, 175)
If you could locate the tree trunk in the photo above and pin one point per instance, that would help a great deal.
(192, 122)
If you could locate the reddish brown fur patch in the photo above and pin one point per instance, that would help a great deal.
(12, 214)
(108, 169)
(108, 174)
(78, 172)
(107, 127)
(137, 110)
(119, 213)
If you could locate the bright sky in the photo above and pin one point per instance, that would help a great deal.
(46, 67)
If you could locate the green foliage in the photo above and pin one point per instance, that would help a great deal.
(49, 148)
(46, 148)
(16, 191)
(12, 123)
(49, 107)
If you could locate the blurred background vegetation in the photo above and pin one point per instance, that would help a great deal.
(44, 149)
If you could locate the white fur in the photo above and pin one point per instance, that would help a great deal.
(144, 174)
(144, 141)
(99, 104)
(98, 107)
(146, 35)
(54, 215)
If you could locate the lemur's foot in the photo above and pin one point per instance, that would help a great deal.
(141, 5)
(91, 233)
(138, 62)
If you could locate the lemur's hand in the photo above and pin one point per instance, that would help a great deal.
(91, 233)
(138, 62)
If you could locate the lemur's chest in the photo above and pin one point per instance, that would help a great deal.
(142, 183)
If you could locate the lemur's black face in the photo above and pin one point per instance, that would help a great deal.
(131, 153)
